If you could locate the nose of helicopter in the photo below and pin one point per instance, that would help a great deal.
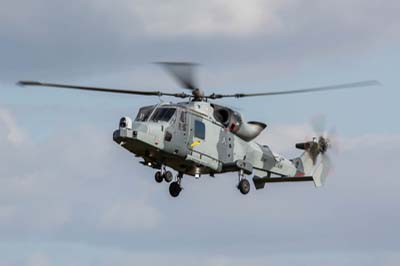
(129, 131)
(125, 130)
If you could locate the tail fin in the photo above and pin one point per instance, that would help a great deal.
(320, 173)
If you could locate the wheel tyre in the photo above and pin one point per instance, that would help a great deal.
(168, 176)
(158, 177)
(244, 186)
(174, 189)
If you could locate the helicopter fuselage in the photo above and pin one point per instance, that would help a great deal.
(193, 140)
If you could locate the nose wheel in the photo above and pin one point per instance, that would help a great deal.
(163, 175)
(158, 177)
(168, 176)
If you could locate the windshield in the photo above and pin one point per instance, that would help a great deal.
(163, 114)
(144, 113)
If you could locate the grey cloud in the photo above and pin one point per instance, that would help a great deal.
(58, 40)
(110, 256)
(33, 176)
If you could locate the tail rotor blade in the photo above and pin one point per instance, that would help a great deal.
(322, 171)
(328, 165)
(318, 124)
(333, 138)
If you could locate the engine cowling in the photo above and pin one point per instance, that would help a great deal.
(250, 130)
(236, 124)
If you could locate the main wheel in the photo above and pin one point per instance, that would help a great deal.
(244, 186)
(158, 177)
(168, 176)
(174, 189)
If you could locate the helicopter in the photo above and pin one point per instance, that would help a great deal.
(200, 137)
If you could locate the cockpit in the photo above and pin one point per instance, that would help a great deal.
(160, 114)
(163, 114)
(144, 113)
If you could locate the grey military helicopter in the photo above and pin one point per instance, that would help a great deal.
(200, 137)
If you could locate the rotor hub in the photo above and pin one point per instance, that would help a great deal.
(198, 94)
(323, 144)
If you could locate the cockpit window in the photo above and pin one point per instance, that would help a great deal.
(163, 114)
(144, 113)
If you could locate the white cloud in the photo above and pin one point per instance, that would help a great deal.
(43, 186)
(232, 17)
(9, 129)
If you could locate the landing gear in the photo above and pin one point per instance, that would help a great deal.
(163, 175)
(175, 187)
(158, 177)
(168, 176)
(244, 184)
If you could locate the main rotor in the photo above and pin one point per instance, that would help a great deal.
(184, 74)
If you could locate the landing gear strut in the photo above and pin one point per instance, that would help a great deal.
(175, 187)
(244, 184)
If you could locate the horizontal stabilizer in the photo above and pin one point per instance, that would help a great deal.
(259, 182)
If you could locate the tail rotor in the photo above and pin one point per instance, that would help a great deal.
(317, 159)
(325, 141)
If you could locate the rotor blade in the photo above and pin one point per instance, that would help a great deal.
(183, 72)
(315, 89)
(146, 93)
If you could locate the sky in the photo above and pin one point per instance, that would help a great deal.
(70, 196)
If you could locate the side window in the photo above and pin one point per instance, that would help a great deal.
(199, 130)
(183, 116)
(182, 121)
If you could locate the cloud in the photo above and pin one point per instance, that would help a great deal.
(283, 138)
(129, 217)
(10, 130)
(38, 259)
(157, 18)
(91, 191)
(75, 190)
(54, 40)
(207, 17)
(45, 185)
